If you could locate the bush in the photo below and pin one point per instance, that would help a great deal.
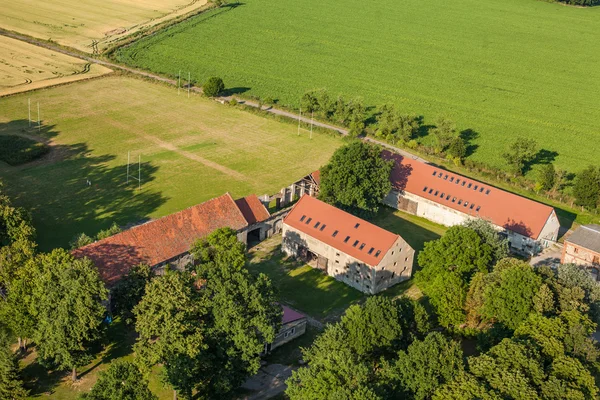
(17, 150)
(213, 87)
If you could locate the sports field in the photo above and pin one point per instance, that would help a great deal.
(76, 23)
(503, 68)
(24, 66)
(191, 150)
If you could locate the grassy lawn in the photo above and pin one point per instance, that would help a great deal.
(486, 64)
(24, 67)
(78, 23)
(191, 150)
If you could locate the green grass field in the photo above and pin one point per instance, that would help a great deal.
(503, 68)
(191, 150)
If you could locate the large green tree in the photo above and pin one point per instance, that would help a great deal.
(587, 187)
(356, 178)
(129, 291)
(66, 304)
(520, 153)
(121, 381)
(491, 236)
(11, 385)
(394, 126)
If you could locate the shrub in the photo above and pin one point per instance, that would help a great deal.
(213, 87)
(17, 150)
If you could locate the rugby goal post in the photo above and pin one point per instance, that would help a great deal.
(300, 128)
(139, 171)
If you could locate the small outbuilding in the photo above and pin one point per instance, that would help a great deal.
(293, 324)
(582, 247)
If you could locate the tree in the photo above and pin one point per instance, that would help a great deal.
(129, 291)
(444, 133)
(356, 121)
(426, 365)
(520, 153)
(66, 303)
(490, 236)
(121, 381)
(11, 385)
(395, 127)
(546, 178)
(509, 298)
(15, 222)
(80, 240)
(213, 87)
(587, 188)
(357, 178)
(113, 230)
(457, 149)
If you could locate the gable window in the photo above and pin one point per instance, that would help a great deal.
(334, 234)
(303, 218)
(347, 238)
(322, 227)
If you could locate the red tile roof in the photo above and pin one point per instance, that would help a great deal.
(356, 237)
(471, 197)
(253, 210)
(290, 315)
(160, 240)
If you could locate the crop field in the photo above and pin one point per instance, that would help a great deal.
(502, 68)
(191, 150)
(24, 66)
(76, 23)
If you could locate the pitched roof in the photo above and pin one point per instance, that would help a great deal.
(354, 236)
(469, 196)
(290, 315)
(586, 236)
(162, 239)
(316, 175)
(252, 209)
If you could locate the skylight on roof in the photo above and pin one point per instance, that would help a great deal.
(446, 177)
(463, 184)
(347, 238)
(459, 202)
(453, 199)
(378, 253)
(466, 203)
(451, 179)
(448, 197)
(440, 175)
(481, 189)
(334, 234)
(472, 205)
(355, 243)
(322, 227)
(434, 173)
(308, 220)
(457, 181)
(442, 195)
(470, 184)
(425, 189)
(303, 218)
(430, 190)
(371, 250)
(357, 225)
(317, 224)
(475, 188)
(487, 191)
(362, 246)
(478, 208)
(437, 192)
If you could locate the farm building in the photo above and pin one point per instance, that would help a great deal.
(293, 324)
(167, 240)
(582, 247)
(450, 199)
(346, 247)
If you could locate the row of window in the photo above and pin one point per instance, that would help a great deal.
(462, 182)
(449, 196)
(321, 227)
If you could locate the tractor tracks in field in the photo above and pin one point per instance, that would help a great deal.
(223, 99)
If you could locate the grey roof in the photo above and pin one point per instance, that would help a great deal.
(586, 236)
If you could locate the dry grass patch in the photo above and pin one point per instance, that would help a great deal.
(24, 66)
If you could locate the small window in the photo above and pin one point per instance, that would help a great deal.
(481, 189)
(475, 188)
(457, 181)
(334, 234)
(446, 177)
(371, 250)
(430, 190)
(406, 259)
(303, 217)
(362, 246)
(454, 199)
(357, 225)
(466, 203)
(293, 331)
(317, 224)
(459, 202)
(472, 205)
(393, 274)
(436, 192)
(434, 172)
(470, 184)
(355, 243)
(448, 197)
(378, 253)
(487, 191)
(463, 184)
(451, 179)
(478, 208)
(347, 238)
(322, 227)
(285, 335)
(337, 254)
(395, 263)
(337, 261)
(308, 220)
(442, 195)
(440, 175)
(425, 189)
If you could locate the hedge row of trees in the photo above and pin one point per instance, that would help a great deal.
(532, 327)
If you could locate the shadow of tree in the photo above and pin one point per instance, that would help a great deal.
(39, 380)
(71, 190)
(234, 90)
(468, 135)
(542, 157)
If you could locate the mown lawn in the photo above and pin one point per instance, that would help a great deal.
(191, 150)
(503, 69)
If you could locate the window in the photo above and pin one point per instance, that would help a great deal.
(466, 203)
(317, 224)
(451, 179)
(303, 217)
(337, 261)
(481, 189)
(347, 238)
(478, 208)
(448, 197)
(392, 253)
(463, 184)
(459, 202)
(406, 259)
(425, 189)
(337, 254)
(470, 184)
(334, 234)
(446, 177)
(440, 175)
(454, 199)
(475, 188)
(393, 274)
(362, 246)
(434, 172)
(308, 221)
(436, 192)
(293, 331)
(430, 190)
(395, 263)
(442, 195)
(371, 250)
(357, 225)
(487, 191)
(378, 253)
(575, 250)
(457, 181)
(355, 243)
(286, 334)
(336, 271)
(322, 227)
(472, 205)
